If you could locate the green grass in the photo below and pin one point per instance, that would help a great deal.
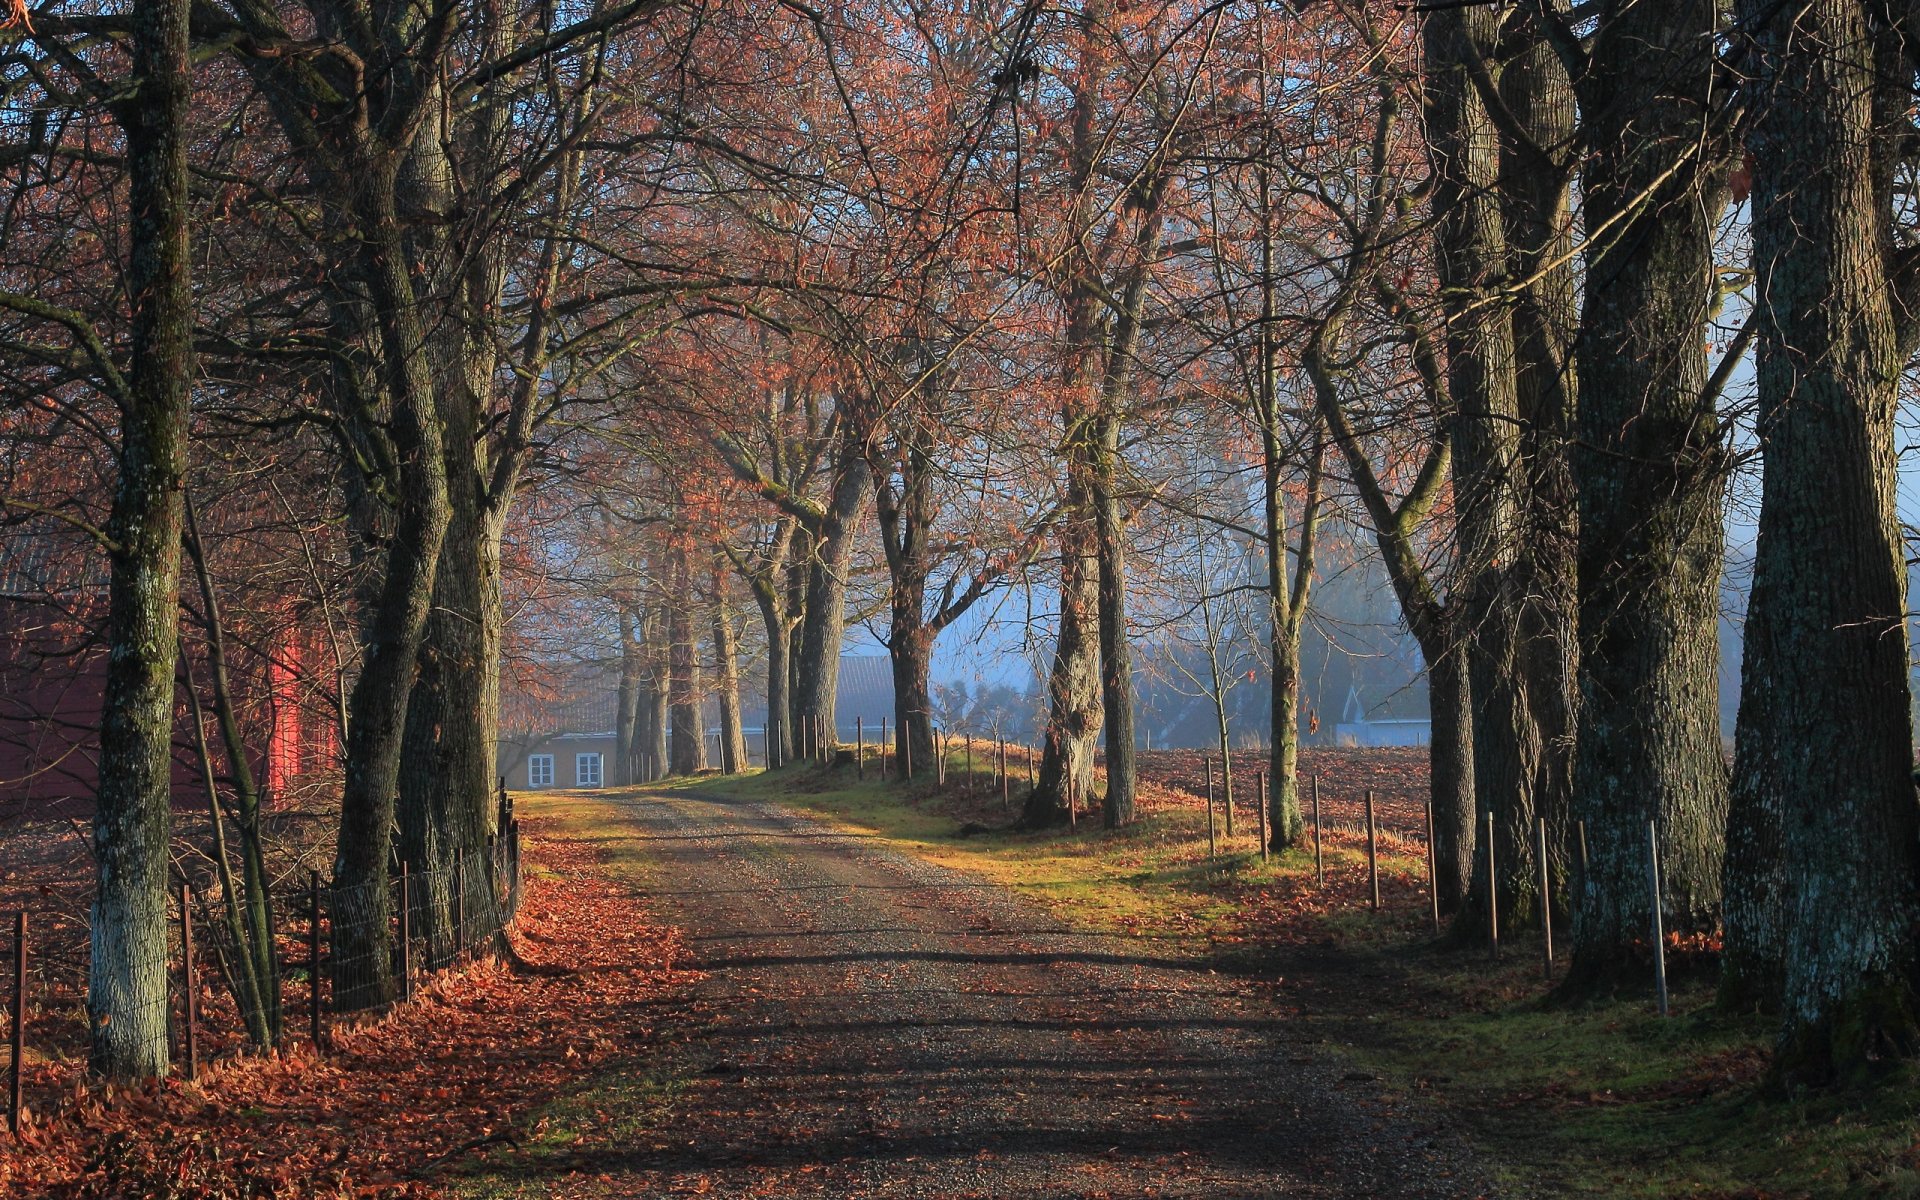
(613, 1108)
(1607, 1099)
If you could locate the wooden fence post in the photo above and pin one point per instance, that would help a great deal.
(1319, 853)
(860, 747)
(1260, 802)
(1209, 765)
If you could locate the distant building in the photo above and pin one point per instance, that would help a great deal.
(1377, 726)
(563, 735)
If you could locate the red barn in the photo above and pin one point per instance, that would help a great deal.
(53, 674)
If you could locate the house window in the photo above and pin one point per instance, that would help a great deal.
(586, 770)
(539, 770)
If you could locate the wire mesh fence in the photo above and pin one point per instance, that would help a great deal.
(243, 972)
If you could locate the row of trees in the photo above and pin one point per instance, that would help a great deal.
(892, 312)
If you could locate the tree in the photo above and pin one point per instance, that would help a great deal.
(127, 976)
(1649, 469)
(1823, 866)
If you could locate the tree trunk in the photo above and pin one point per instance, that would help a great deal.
(684, 690)
(626, 710)
(1825, 676)
(726, 661)
(1471, 253)
(825, 621)
(362, 939)
(1116, 657)
(127, 996)
(910, 654)
(1535, 178)
(1649, 469)
(1450, 788)
(1073, 685)
(255, 941)
(653, 740)
(1286, 616)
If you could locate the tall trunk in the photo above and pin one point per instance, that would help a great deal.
(362, 939)
(688, 751)
(1471, 263)
(256, 941)
(1073, 685)
(1649, 470)
(1116, 658)
(824, 624)
(1286, 617)
(903, 503)
(653, 717)
(1450, 788)
(726, 664)
(448, 752)
(448, 755)
(627, 704)
(127, 1000)
(1825, 676)
(1535, 175)
(1432, 621)
(773, 618)
(910, 656)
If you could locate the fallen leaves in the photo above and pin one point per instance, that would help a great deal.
(398, 1098)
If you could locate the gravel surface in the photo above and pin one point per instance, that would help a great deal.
(872, 1025)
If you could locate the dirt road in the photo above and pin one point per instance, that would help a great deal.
(872, 1025)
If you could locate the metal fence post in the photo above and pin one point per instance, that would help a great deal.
(1546, 903)
(1493, 898)
(406, 934)
(460, 907)
(1433, 874)
(1659, 919)
(186, 979)
(860, 747)
(1373, 853)
(313, 957)
(19, 1019)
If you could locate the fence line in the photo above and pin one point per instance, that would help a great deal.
(215, 1007)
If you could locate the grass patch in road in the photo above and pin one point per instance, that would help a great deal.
(1607, 1099)
(610, 1113)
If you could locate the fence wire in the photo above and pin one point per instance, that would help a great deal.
(330, 952)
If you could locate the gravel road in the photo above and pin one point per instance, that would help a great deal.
(873, 1025)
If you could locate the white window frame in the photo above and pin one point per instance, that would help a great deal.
(539, 770)
(581, 776)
